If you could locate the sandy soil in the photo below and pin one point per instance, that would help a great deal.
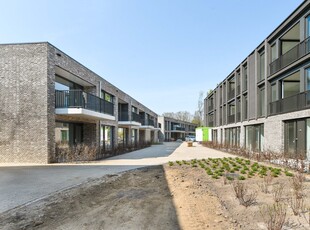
(159, 197)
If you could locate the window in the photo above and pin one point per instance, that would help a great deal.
(232, 136)
(274, 55)
(261, 73)
(291, 85)
(231, 88)
(274, 92)
(134, 109)
(64, 84)
(106, 136)
(122, 136)
(308, 26)
(68, 133)
(254, 137)
(290, 39)
(245, 78)
(107, 97)
(261, 101)
(245, 107)
(307, 88)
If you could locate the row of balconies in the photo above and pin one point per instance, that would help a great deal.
(73, 102)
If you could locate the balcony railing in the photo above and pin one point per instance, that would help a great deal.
(148, 122)
(238, 89)
(177, 128)
(290, 56)
(81, 99)
(231, 119)
(289, 104)
(231, 94)
(135, 117)
(210, 124)
(238, 117)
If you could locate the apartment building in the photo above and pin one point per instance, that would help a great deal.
(264, 103)
(48, 98)
(174, 129)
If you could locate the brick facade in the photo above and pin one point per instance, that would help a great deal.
(27, 92)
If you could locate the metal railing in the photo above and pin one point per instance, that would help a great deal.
(177, 128)
(135, 117)
(211, 107)
(148, 122)
(238, 89)
(123, 116)
(289, 104)
(290, 56)
(231, 94)
(81, 99)
(231, 119)
(238, 117)
(210, 124)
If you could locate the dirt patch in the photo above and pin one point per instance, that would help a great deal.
(159, 197)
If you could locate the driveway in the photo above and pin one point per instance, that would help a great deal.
(20, 185)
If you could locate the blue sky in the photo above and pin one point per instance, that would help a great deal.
(161, 52)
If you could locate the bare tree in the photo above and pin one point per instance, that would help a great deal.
(198, 115)
(181, 115)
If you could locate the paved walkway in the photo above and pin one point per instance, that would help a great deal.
(21, 184)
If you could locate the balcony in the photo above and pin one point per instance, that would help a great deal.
(210, 124)
(231, 119)
(147, 123)
(238, 117)
(290, 104)
(289, 57)
(177, 129)
(238, 89)
(123, 119)
(211, 107)
(231, 94)
(82, 104)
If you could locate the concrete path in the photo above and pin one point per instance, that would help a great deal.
(21, 184)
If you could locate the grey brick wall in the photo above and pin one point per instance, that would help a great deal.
(23, 110)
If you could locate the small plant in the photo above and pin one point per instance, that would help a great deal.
(274, 216)
(215, 176)
(230, 178)
(179, 163)
(170, 163)
(241, 178)
(287, 173)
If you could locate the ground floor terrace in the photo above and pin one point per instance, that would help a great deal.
(286, 134)
(79, 140)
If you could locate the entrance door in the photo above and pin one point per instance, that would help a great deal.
(295, 138)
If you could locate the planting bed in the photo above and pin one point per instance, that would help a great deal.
(251, 195)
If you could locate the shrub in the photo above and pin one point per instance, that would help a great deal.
(274, 216)
(241, 192)
(170, 163)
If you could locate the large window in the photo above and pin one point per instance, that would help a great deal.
(68, 133)
(254, 137)
(107, 97)
(274, 95)
(274, 55)
(122, 136)
(232, 136)
(291, 85)
(261, 101)
(245, 107)
(308, 26)
(245, 78)
(261, 73)
(106, 136)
